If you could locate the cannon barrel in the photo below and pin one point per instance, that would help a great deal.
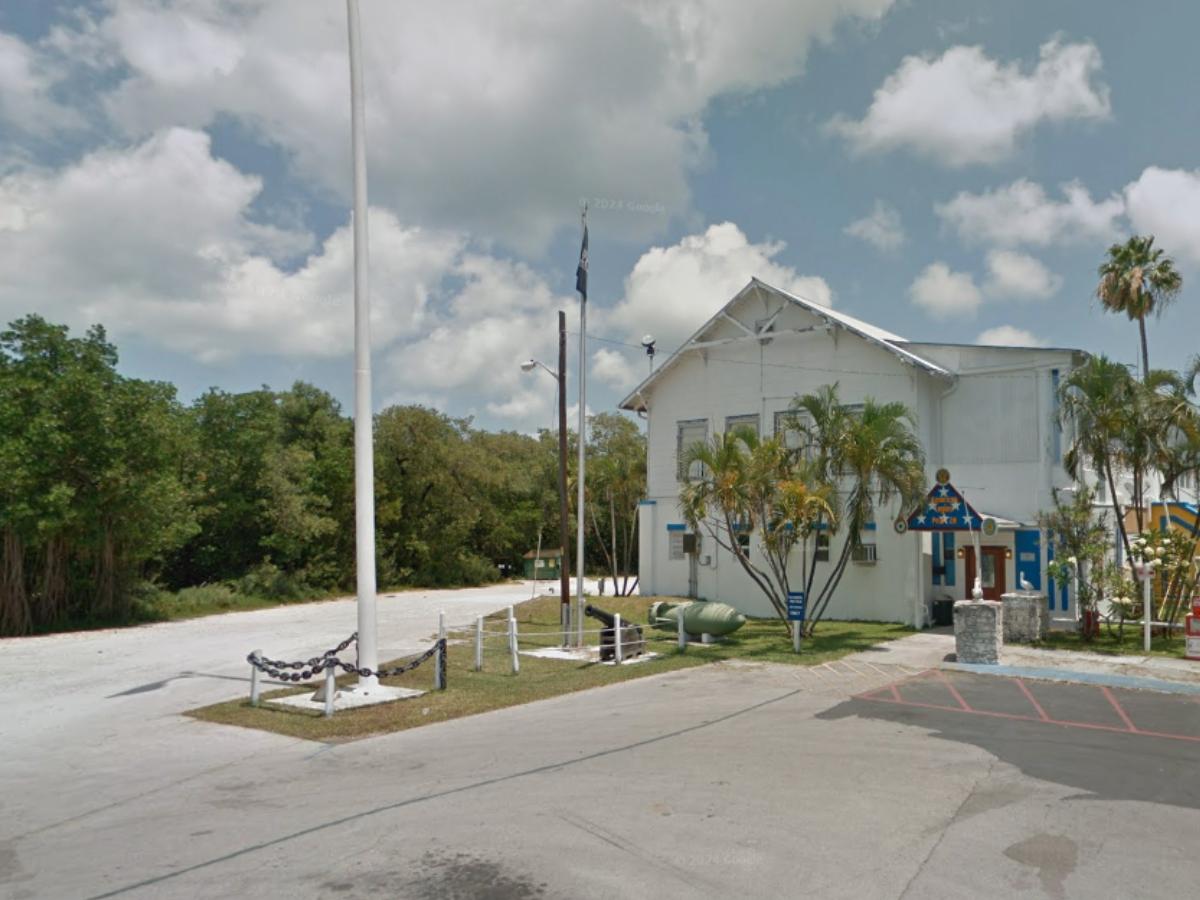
(597, 613)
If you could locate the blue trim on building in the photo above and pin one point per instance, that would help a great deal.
(1028, 548)
(675, 526)
(948, 542)
(647, 502)
(937, 557)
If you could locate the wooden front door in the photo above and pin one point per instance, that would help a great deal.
(991, 577)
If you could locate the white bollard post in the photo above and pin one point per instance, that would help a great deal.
(797, 631)
(618, 656)
(1147, 604)
(330, 690)
(254, 689)
(512, 646)
(479, 643)
(438, 663)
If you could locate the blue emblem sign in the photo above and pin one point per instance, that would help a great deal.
(944, 509)
(796, 602)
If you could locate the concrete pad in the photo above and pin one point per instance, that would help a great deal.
(584, 654)
(347, 699)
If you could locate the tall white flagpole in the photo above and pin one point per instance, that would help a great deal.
(364, 460)
(579, 516)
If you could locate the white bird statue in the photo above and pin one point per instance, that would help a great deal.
(1026, 584)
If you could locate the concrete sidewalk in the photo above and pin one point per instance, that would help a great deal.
(935, 648)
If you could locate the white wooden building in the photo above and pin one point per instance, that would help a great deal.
(985, 414)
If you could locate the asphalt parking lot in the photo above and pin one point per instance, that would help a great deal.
(751, 780)
(1110, 742)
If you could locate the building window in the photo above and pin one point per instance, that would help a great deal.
(822, 551)
(748, 421)
(790, 429)
(689, 433)
(1057, 425)
(675, 545)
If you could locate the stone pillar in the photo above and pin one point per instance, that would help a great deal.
(978, 631)
(1026, 616)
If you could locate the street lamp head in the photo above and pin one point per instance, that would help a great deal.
(529, 365)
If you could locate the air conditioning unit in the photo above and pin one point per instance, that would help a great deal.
(864, 553)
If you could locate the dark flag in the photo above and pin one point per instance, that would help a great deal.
(581, 271)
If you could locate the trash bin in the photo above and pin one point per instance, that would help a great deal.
(943, 613)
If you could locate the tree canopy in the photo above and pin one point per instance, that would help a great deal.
(112, 484)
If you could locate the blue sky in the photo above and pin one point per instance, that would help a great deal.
(179, 171)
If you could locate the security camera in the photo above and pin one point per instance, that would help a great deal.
(648, 343)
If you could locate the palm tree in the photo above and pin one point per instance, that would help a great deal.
(1137, 279)
(876, 456)
(1096, 398)
(744, 486)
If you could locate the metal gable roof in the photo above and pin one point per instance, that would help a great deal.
(864, 330)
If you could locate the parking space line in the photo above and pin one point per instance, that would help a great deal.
(1042, 718)
(1029, 696)
(1117, 706)
(953, 690)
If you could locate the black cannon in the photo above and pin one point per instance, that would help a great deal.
(633, 642)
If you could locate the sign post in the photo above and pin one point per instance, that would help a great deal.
(796, 602)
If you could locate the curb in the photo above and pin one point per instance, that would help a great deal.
(1133, 682)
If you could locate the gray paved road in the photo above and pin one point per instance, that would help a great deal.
(755, 781)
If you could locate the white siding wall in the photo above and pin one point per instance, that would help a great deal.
(993, 430)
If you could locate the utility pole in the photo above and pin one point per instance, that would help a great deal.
(564, 568)
(581, 285)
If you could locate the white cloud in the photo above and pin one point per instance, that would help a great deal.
(1008, 336)
(944, 293)
(882, 228)
(1166, 204)
(1016, 275)
(157, 241)
(477, 115)
(27, 79)
(964, 107)
(674, 290)
(1021, 213)
(615, 369)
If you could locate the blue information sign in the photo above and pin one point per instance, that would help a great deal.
(796, 602)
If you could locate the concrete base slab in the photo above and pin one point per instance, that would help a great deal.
(586, 654)
(566, 654)
(349, 699)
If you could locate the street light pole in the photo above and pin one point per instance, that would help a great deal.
(364, 462)
(564, 569)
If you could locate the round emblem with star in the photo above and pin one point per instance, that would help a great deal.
(943, 476)
(901, 526)
(989, 526)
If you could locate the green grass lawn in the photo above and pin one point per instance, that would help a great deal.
(1130, 644)
(469, 692)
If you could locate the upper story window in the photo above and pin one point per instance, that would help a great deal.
(790, 428)
(1056, 426)
(688, 433)
(747, 421)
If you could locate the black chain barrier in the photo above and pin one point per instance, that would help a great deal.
(314, 666)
